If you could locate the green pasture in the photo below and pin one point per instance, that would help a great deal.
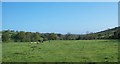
(61, 51)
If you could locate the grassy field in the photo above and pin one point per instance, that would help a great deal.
(0, 51)
(61, 51)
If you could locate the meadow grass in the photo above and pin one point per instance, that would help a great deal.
(61, 51)
(0, 52)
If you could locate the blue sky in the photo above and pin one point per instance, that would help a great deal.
(59, 17)
(0, 16)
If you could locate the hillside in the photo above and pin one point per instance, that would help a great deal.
(22, 36)
(109, 33)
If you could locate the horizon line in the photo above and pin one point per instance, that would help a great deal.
(63, 33)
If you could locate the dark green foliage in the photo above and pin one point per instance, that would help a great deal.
(10, 35)
(5, 37)
(117, 34)
(45, 39)
(67, 36)
(28, 36)
(36, 36)
(52, 36)
(106, 34)
(20, 37)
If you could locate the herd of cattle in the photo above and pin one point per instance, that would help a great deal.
(35, 46)
(39, 41)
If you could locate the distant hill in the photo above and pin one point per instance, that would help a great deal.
(113, 33)
(22, 36)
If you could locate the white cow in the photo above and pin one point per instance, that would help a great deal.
(31, 42)
(34, 42)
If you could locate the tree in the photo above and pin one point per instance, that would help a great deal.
(13, 36)
(28, 36)
(59, 36)
(5, 37)
(52, 36)
(117, 34)
(20, 36)
(67, 36)
(36, 36)
(79, 38)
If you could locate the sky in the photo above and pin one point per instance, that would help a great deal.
(60, 0)
(0, 16)
(59, 17)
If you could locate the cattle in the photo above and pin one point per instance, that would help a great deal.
(31, 42)
(41, 40)
(34, 42)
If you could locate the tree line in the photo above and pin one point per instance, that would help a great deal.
(22, 36)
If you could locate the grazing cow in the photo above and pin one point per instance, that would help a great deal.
(31, 42)
(34, 42)
(39, 41)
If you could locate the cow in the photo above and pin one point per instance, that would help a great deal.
(34, 42)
